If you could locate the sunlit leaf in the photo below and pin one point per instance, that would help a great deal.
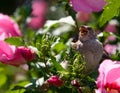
(18, 87)
(3, 79)
(56, 64)
(111, 10)
(17, 41)
(59, 47)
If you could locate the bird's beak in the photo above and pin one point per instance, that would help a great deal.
(83, 31)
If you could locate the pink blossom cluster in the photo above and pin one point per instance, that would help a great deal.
(38, 15)
(10, 54)
(111, 28)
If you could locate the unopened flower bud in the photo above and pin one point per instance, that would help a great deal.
(55, 80)
(75, 83)
(27, 53)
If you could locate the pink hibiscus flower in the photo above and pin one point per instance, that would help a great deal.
(108, 80)
(88, 6)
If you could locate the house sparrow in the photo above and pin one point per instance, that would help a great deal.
(89, 47)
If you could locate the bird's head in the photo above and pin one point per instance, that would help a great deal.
(86, 33)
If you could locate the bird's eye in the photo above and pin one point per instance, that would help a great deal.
(89, 28)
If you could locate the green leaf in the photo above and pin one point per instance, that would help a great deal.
(56, 64)
(59, 47)
(3, 79)
(111, 10)
(18, 87)
(17, 41)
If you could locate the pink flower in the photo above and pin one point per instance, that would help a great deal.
(82, 16)
(111, 26)
(36, 22)
(75, 83)
(39, 10)
(39, 7)
(108, 80)
(111, 38)
(55, 80)
(10, 54)
(88, 6)
(8, 27)
(13, 55)
(111, 49)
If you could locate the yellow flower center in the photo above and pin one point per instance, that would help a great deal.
(112, 90)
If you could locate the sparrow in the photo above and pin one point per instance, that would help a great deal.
(89, 47)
